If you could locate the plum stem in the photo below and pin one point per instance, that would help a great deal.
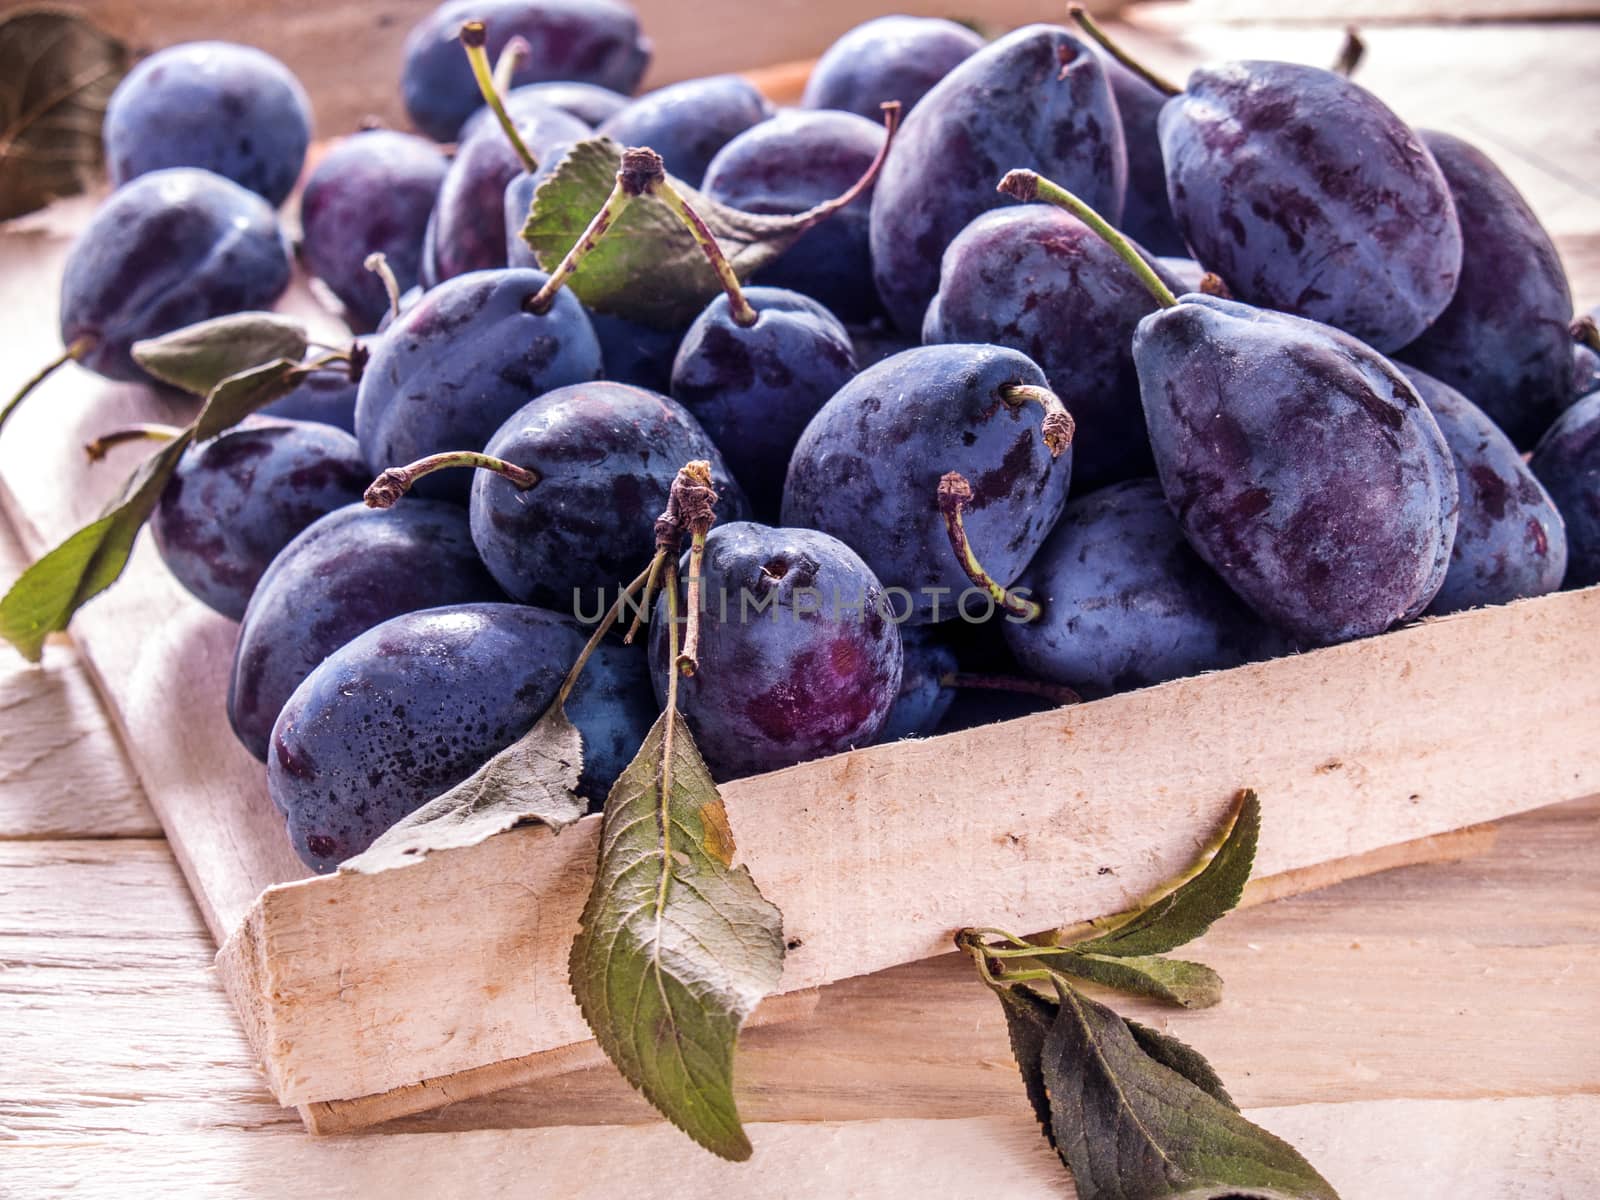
(474, 37)
(689, 661)
(1059, 692)
(604, 627)
(74, 352)
(661, 188)
(621, 196)
(1029, 186)
(1058, 426)
(378, 263)
(1212, 284)
(513, 56)
(691, 509)
(1092, 27)
(1351, 52)
(955, 493)
(670, 584)
(1584, 331)
(142, 431)
(386, 490)
(645, 600)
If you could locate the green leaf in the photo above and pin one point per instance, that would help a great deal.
(237, 396)
(1191, 984)
(676, 946)
(1131, 1128)
(533, 779)
(1182, 1058)
(647, 267)
(1188, 911)
(1028, 1020)
(198, 357)
(43, 600)
(57, 71)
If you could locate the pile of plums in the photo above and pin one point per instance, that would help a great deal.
(1324, 441)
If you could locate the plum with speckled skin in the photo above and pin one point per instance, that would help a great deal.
(1503, 340)
(1040, 281)
(1146, 211)
(606, 455)
(1510, 540)
(236, 501)
(224, 108)
(1036, 98)
(887, 58)
(1567, 462)
(414, 706)
(351, 570)
(371, 193)
(923, 699)
(804, 660)
(1301, 464)
(1184, 271)
(169, 249)
(453, 368)
(327, 396)
(584, 41)
(755, 388)
(1348, 221)
(1127, 603)
(467, 229)
(636, 354)
(792, 163)
(687, 123)
(867, 470)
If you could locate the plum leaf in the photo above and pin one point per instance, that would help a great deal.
(198, 357)
(1191, 984)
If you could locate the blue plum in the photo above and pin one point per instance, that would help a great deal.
(583, 41)
(1567, 462)
(373, 192)
(1127, 603)
(1503, 340)
(1038, 280)
(1037, 99)
(755, 388)
(1184, 271)
(1510, 541)
(354, 568)
(923, 699)
(236, 501)
(327, 396)
(1585, 371)
(1146, 211)
(636, 354)
(453, 368)
(687, 123)
(169, 249)
(606, 455)
(589, 102)
(412, 707)
(1302, 465)
(799, 656)
(225, 108)
(792, 163)
(1348, 221)
(887, 58)
(867, 469)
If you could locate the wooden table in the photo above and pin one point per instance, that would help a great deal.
(1429, 1032)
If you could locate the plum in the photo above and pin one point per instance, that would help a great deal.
(799, 655)
(1146, 211)
(348, 571)
(1037, 98)
(1567, 462)
(1503, 340)
(458, 364)
(169, 249)
(373, 192)
(1302, 465)
(606, 455)
(589, 102)
(923, 699)
(687, 123)
(867, 468)
(1349, 222)
(415, 705)
(225, 108)
(636, 354)
(887, 58)
(583, 41)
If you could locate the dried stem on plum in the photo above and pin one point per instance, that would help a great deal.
(643, 607)
(474, 37)
(1351, 53)
(955, 493)
(1057, 692)
(72, 353)
(1058, 425)
(140, 432)
(1584, 331)
(1212, 284)
(621, 196)
(1030, 186)
(505, 67)
(378, 263)
(386, 490)
(604, 627)
(661, 188)
(1092, 28)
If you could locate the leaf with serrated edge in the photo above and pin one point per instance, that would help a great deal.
(1191, 984)
(198, 357)
(648, 267)
(1028, 1020)
(43, 600)
(1131, 1128)
(1190, 909)
(57, 72)
(533, 779)
(676, 946)
(1182, 1058)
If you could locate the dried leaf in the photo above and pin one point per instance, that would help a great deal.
(198, 357)
(533, 779)
(1190, 984)
(676, 946)
(57, 72)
